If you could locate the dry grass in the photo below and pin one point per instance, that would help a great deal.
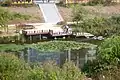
(66, 13)
(104, 11)
(32, 11)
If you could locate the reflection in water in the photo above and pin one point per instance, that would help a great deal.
(79, 57)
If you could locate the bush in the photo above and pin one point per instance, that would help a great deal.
(50, 71)
(62, 4)
(100, 26)
(95, 2)
(106, 66)
(111, 74)
(11, 68)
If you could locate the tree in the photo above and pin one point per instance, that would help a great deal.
(107, 63)
(109, 51)
(78, 13)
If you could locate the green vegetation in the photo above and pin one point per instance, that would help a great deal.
(11, 68)
(99, 2)
(97, 25)
(46, 46)
(104, 67)
(12, 15)
(109, 51)
(60, 45)
(107, 62)
(6, 16)
(17, 39)
(78, 13)
(11, 47)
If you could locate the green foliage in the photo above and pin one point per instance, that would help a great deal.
(107, 62)
(6, 16)
(111, 74)
(20, 16)
(46, 46)
(11, 47)
(11, 68)
(115, 19)
(96, 25)
(50, 71)
(97, 2)
(60, 45)
(100, 26)
(17, 39)
(93, 68)
(109, 51)
(78, 13)
(71, 72)
(98, 70)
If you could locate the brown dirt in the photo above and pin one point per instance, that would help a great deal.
(34, 12)
(93, 10)
(66, 13)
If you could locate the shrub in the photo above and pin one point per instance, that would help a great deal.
(50, 71)
(11, 68)
(95, 2)
(106, 65)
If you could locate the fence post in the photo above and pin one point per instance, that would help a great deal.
(69, 54)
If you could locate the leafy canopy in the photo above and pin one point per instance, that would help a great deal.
(109, 51)
(12, 68)
(60, 45)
